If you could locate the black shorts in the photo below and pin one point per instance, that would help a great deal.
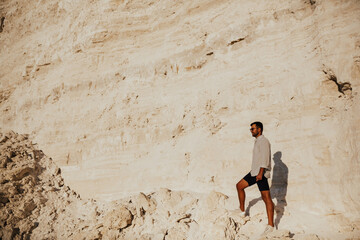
(262, 184)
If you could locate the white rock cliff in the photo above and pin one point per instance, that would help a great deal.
(141, 96)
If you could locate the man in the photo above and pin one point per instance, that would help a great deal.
(259, 174)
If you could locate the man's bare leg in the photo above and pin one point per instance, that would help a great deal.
(269, 206)
(240, 186)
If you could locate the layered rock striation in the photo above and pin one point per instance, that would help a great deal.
(134, 96)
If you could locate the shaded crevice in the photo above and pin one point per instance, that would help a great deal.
(166, 233)
(312, 4)
(2, 23)
(235, 41)
(342, 86)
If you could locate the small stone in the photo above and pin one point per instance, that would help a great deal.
(4, 160)
(118, 219)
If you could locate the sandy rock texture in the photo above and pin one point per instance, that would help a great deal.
(134, 96)
(36, 204)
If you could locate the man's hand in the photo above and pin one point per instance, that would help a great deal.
(259, 177)
(261, 173)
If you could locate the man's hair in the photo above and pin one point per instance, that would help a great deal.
(259, 125)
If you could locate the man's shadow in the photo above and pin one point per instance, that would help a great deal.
(278, 188)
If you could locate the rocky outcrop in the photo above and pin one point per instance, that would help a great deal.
(35, 203)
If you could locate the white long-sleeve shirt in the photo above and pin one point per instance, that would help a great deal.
(261, 156)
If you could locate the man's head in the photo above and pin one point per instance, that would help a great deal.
(256, 129)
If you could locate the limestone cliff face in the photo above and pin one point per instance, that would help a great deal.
(130, 96)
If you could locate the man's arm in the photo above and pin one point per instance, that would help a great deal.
(259, 176)
(264, 158)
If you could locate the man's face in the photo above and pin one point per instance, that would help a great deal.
(255, 131)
